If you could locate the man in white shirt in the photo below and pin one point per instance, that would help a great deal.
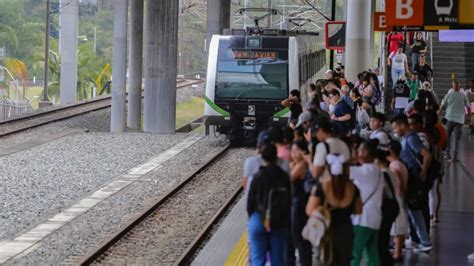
(377, 122)
(323, 130)
(369, 180)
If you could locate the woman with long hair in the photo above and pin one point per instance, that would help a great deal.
(299, 169)
(269, 210)
(343, 199)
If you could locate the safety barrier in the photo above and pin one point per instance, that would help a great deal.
(13, 108)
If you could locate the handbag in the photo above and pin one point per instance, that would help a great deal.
(317, 225)
(317, 232)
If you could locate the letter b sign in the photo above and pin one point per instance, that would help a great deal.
(404, 12)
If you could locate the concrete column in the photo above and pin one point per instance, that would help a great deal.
(373, 8)
(119, 65)
(136, 65)
(218, 17)
(68, 50)
(357, 37)
(161, 54)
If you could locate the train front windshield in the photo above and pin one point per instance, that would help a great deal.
(252, 74)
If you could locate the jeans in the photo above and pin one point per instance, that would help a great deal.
(263, 242)
(298, 221)
(365, 241)
(417, 219)
(396, 74)
(415, 59)
(456, 128)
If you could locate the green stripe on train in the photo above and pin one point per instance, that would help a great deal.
(282, 113)
(216, 108)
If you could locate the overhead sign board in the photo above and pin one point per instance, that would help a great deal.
(380, 22)
(441, 12)
(466, 8)
(336, 35)
(404, 12)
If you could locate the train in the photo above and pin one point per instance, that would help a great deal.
(249, 74)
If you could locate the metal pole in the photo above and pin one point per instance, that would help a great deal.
(333, 18)
(45, 101)
(95, 40)
(270, 18)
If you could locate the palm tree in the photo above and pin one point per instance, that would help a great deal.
(19, 70)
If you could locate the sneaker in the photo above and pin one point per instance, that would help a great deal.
(470, 257)
(447, 157)
(409, 244)
(423, 248)
(433, 223)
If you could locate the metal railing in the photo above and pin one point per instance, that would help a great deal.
(13, 108)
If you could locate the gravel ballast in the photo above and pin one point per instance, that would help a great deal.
(163, 237)
(69, 243)
(45, 179)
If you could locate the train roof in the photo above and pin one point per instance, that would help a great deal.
(268, 32)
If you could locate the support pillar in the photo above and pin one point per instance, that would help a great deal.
(161, 55)
(218, 18)
(119, 65)
(357, 37)
(68, 50)
(136, 65)
(373, 8)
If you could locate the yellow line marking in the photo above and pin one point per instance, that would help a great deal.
(239, 255)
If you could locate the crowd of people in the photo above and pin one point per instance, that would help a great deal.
(340, 183)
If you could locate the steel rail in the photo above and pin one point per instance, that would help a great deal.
(198, 241)
(107, 244)
(58, 110)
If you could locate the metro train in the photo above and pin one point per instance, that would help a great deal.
(248, 76)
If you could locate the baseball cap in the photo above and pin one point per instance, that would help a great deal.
(263, 138)
(322, 123)
(304, 117)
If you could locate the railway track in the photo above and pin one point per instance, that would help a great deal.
(56, 114)
(121, 247)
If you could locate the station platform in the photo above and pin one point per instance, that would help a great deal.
(453, 238)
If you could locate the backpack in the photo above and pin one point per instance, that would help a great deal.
(443, 136)
(317, 229)
(377, 97)
(278, 208)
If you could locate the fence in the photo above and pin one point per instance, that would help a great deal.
(13, 108)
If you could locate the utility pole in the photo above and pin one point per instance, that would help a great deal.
(45, 101)
(333, 18)
(270, 18)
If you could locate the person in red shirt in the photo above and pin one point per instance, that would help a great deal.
(394, 39)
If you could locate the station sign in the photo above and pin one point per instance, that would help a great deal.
(466, 8)
(336, 35)
(429, 15)
(380, 22)
(441, 12)
(405, 12)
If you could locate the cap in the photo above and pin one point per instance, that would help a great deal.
(322, 123)
(414, 73)
(304, 117)
(263, 138)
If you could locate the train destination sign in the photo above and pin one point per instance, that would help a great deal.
(248, 54)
